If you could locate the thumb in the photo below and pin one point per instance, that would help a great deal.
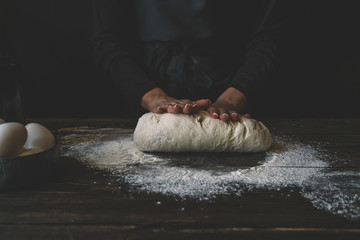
(203, 103)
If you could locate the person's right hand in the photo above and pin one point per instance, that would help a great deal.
(157, 101)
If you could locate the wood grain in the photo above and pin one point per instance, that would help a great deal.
(78, 202)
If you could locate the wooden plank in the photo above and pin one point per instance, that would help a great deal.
(71, 232)
(82, 202)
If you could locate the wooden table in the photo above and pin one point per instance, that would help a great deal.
(69, 205)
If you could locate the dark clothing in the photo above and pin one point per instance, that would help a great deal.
(190, 48)
(174, 20)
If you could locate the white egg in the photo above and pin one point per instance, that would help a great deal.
(39, 137)
(26, 152)
(12, 138)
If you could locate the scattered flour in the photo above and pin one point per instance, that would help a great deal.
(287, 164)
(326, 192)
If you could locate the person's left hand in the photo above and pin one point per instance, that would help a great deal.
(228, 105)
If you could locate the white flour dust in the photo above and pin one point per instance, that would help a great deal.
(327, 192)
(287, 164)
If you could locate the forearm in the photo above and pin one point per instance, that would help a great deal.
(116, 48)
(255, 72)
(261, 54)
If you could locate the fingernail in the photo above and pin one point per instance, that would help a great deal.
(176, 105)
(215, 114)
(234, 114)
(208, 101)
(187, 105)
(195, 105)
(225, 114)
(157, 108)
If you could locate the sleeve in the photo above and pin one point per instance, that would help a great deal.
(261, 53)
(116, 47)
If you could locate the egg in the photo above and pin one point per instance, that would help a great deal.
(39, 137)
(31, 151)
(12, 138)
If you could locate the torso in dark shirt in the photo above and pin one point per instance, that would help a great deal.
(194, 45)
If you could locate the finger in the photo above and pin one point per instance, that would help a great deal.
(195, 108)
(187, 109)
(184, 101)
(224, 116)
(203, 103)
(213, 112)
(158, 110)
(174, 109)
(234, 116)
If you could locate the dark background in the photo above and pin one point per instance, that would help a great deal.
(50, 41)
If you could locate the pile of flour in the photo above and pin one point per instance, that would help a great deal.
(288, 164)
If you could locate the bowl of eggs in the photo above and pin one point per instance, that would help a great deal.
(27, 152)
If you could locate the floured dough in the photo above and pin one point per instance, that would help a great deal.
(199, 133)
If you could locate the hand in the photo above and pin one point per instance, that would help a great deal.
(228, 105)
(157, 101)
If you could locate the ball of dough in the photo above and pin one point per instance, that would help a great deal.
(199, 132)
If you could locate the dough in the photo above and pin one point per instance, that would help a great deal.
(199, 133)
